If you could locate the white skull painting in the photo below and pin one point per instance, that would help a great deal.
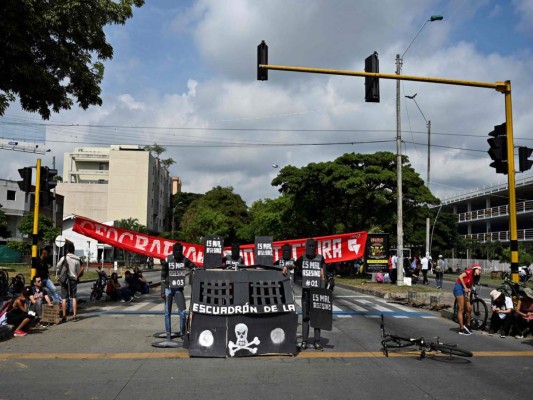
(241, 342)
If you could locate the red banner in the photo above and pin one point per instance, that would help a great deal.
(334, 248)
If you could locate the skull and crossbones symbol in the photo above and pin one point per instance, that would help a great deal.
(242, 343)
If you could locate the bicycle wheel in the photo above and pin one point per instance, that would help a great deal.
(451, 350)
(480, 314)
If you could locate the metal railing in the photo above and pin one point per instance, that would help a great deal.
(523, 235)
(499, 211)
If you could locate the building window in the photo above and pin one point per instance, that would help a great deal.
(11, 195)
(103, 166)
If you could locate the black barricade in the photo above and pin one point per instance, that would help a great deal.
(242, 313)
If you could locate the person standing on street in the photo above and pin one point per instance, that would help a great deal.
(440, 267)
(461, 291)
(424, 262)
(43, 265)
(312, 265)
(70, 264)
(172, 285)
(393, 272)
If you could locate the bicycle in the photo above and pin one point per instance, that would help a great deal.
(389, 340)
(480, 311)
(99, 286)
(512, 289)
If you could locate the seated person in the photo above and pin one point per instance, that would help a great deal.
(524, 313)
(38, 296)
(113, 287)
(18, 316)
(129, 288)
(141, 283)
(502, 308)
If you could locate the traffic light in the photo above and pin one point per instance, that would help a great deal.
(25, 183)
(498, 148)
(523, 158)
(262, 59)
(372, 83)
(47, 183)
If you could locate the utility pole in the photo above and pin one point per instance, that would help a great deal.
(399, 179)
(35, 236)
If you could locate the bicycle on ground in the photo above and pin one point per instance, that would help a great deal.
(480, 311)
(389, 340)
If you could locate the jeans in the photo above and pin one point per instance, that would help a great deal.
(52, 290)
(178, 296)
(439, 278)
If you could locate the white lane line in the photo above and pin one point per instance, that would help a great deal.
(351, 305)
(376, 306)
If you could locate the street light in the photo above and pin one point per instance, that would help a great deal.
(428, 125)
(399, 227)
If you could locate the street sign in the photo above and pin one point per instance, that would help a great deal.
(60, 241)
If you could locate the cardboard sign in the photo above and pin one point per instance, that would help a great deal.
(213, 246)
(321, 311)
(264, 254)
(176, 275)
(377, 253)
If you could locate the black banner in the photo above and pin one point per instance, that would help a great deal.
(264, 251)
(321, 312)
(213, 246)
(377, 253)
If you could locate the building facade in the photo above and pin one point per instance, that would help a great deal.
(483, 214)
(119, 182)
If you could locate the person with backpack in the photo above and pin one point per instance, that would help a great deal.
(71, 271)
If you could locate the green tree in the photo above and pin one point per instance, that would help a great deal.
(218, 212)
(352, 193)
(4, 231)
(131, 224)
(180, 203)
(524, 255)
(51, 52)
(46, 233)
(269, 217)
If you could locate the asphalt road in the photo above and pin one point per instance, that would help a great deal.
(108, 355)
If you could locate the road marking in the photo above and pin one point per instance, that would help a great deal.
(181, 353)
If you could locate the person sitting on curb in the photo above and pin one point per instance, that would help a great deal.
(524, 313)
(502, 313)
(18, 314)
(113, 287)
(38, 297)
(128, 290)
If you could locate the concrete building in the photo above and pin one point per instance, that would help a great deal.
(119, 182)
(16, 203)
(483, 214)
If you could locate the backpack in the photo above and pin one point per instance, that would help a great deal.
(379, 277)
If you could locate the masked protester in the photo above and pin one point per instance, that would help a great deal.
(286, 262)
(235, 260)
(312, 265)
(172, 283)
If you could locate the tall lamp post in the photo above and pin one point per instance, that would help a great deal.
(399, 189)
(428, 125)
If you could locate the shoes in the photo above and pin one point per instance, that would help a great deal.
(468, 329)
(519, 337)
(138, 294)
(502, 335)
(318, 346)
(302, 346)
(75, 319)
(20, 333)
(129, 300)
(122, 301)
(63, 320)
(438, 287)
(465, 331)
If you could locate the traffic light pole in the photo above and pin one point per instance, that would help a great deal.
(511, 183)
(502, 87)
(35, 236)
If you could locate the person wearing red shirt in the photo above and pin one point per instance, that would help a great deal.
(461, 291)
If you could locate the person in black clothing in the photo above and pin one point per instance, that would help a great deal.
(235, 260)
(42, 266)
(173, 283)
(312, 265)
(286, 262)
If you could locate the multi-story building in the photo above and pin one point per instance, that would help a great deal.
(119, 182)
(483, 214)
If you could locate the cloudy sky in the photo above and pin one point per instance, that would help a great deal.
(184, 76)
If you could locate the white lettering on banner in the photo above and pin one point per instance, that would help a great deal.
(310, 273)
(124, 234)
(337, 248)
(321, 306)
(141, 242)
(156, 246)
(326, 248)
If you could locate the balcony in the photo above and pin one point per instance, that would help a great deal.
(523, 235)
(494, 212)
